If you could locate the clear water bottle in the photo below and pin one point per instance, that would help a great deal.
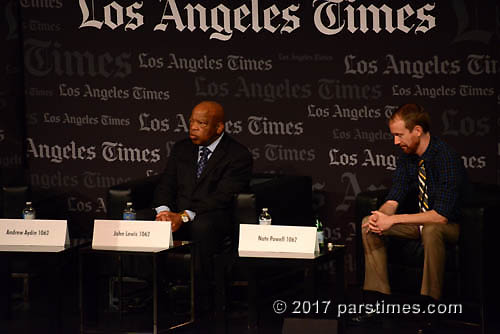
(319, 233)
(129, 212)
(265, 217)
(29, 211)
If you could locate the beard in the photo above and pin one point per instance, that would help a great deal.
(411, 148)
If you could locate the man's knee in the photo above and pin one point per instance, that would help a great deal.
(364, 222)
(212, 228)
(432, 233)
(370, 240)
(200, 226)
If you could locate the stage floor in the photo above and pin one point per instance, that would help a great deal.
(30, 318)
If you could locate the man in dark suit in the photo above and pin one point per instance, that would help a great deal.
(202, 175)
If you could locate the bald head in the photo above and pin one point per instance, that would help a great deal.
(214, 109)
(206, 123)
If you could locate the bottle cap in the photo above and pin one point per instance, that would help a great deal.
(129, 203)
(264, 209)
(28, 203)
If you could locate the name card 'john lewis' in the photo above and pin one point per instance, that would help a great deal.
(277, 241)
(38, 232)
(135, 235)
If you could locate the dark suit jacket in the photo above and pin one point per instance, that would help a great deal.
(227, 173)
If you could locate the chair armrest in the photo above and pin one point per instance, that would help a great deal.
(368, 201)
(245, 211)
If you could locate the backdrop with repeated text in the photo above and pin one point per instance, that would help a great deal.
(97, 91)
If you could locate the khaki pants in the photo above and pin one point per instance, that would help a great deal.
(433, 238)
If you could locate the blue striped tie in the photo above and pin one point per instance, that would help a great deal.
(203, 161)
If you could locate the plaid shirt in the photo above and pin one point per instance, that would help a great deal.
(446, 177)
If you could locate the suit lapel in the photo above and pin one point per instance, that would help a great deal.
(217, 155)
(190, 167)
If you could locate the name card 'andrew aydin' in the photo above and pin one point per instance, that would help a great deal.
(27, 233)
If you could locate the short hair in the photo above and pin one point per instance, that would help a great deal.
(413, 114)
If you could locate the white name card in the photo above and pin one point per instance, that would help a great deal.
(277, 241)
(37, 232)
(133, 235)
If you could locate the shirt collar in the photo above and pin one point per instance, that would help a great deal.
(214, 144)
(430, 149)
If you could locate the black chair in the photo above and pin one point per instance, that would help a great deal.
(465, 265)
(14, 194)
(14, 200)
(288, 198)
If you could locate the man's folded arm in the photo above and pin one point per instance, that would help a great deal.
(389, 207)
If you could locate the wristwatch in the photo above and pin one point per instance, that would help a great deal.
(184, 217)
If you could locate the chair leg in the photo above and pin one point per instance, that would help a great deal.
(25, 293)
(112, 299)
(457, 265)
(26, 288)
